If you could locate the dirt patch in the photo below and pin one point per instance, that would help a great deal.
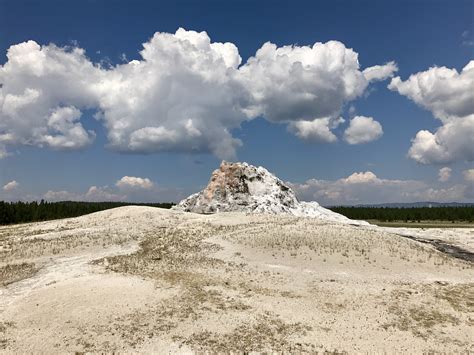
(4, 341)
(11, 273)
(267, 333)
(420, 320)
(426, 309)
(169, 249)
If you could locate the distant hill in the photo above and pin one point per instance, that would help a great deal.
(419, 204)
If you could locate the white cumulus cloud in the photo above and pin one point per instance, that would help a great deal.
(362, 130)
(102, 194)
(451, 142)
(134, 182)
(449, 95)
(317, 130)
(182, 95)
(444, 91)
(368, 188)
(185, 93)
(380, 72)
(293, 83)
(93, 194)
(361, 178)
(12, 185)
(444, 174)
(42, 91)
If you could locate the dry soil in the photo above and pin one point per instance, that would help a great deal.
(148, 280)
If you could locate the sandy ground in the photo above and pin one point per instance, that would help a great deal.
(147, 280)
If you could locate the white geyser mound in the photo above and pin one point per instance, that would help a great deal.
(240, 187)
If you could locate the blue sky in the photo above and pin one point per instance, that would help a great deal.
(416, 35)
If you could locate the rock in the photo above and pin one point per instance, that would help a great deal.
(240, 187)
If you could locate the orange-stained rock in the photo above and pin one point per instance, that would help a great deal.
(240, 187)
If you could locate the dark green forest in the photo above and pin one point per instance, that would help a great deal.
(411, 214)
(21, 212)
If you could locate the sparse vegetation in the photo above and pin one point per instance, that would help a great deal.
(442, 305)
(460, 296)
(15, 272)
(229, 283)
(4, 326)
(419, 320)
(267, 333)
(323, 241)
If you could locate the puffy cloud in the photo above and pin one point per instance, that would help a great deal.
(102, 194)
(363, 130)
(106, 193)
(444, 174)
(12, 185)
(448, 94)
(93, 194)
(130, 189)
(367, 188)
(380, 72)
(134, 183)
(451, 142)
(362, 178)
(443, 91)
(65, 121)
(185, 93)
(293, 83)
(41, 93)
(182, 95)
(469, 175)
(317, 130)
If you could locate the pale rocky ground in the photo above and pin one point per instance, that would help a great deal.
(461, 237)
(147, 280)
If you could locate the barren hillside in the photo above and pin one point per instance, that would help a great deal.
(140, 279)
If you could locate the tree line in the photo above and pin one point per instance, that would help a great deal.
(22, 212)
(408, 214)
